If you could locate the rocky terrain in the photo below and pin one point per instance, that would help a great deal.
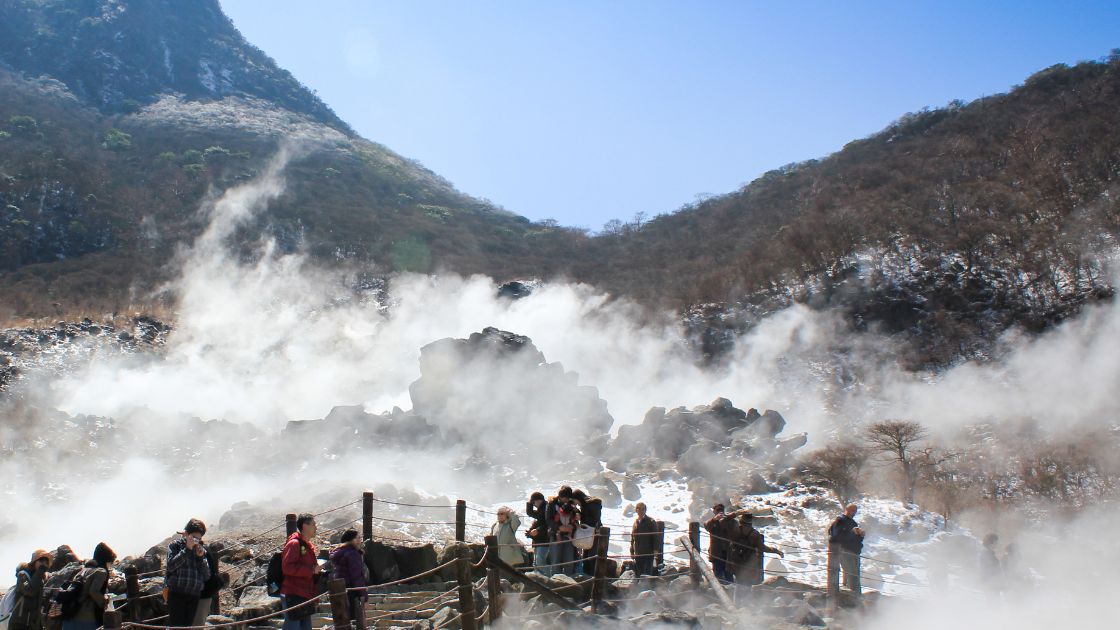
(678, 461)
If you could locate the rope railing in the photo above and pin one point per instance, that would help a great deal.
(449, 622)
(786, 545)
(335, 509)
(415, 505)
(414, 607)
(243, 622)
(391, 520)
(410, 578)
(798, 566)
(482, 561)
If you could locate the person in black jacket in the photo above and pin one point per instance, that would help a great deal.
(590, 514)
(537, 510)
(845, 543)
(563, 519)
(210, 590)
(186, 574)
(719, 530)
(643, 542)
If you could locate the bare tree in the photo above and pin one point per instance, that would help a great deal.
(837, 468)
(897, 439)
(945, 483)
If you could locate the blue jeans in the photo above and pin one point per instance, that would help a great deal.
(296, 624)
(540, 559)
(719, 567)
(563, 552)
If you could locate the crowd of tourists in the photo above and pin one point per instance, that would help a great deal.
(560, 532)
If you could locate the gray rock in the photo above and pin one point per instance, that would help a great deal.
(667, 618)
(630, 490)
(255, 602)
(601, 486)
(801, 613)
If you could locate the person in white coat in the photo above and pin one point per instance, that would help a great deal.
(509, 550)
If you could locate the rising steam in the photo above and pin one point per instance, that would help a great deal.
(279, 339)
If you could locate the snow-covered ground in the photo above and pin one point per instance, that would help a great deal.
(908, 552)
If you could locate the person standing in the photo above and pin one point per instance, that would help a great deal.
(210, 591)
(718, 542)
(348, 564)
(845, 544)
(991, 569)
(509, 550)
(95, 582)
(537, 510)
(643, 542)
(27, 613)
(748, 551)
(187, 573)
(300, 566)
(562, 528)
(591, 515)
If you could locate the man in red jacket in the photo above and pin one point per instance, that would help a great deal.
(301, 566)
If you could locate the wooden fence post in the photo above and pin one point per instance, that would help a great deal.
(693, 567)
(659, 560)
(493, 581)
(367, 516)
(132, 592)
(717, 587)
(216, 601)
(340, 605)
(460, 521)
(290, 522)
(602, 549)
(466, 588)
(111, 620)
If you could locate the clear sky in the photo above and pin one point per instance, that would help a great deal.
(584, 111)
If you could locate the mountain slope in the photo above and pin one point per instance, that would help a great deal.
(960, 221)
(117, 55)
(947, 228)
(105, 160)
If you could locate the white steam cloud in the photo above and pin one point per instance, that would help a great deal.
(279, 339)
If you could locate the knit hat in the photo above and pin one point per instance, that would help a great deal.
(349, 535)
(41, 553)
(535, 496)
(103, 554)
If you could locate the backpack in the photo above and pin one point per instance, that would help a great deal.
(275, 573)
(68, 600)
(7, 605)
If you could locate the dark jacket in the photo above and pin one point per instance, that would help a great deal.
(346, 564)
(571, 514)
(718, 544)
(643, 539)
(27, 614)
(540, 522)
(299, 560)
(591, 512)
(842, 532)
(746, 554)
(187, 572)
(214, 582)
(95, 583)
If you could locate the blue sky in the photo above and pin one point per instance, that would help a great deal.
(586, 111)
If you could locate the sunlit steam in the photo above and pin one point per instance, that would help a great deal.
(277, 338)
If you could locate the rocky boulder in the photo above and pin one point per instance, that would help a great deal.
(413, 561)
(707, 440)
(495, 389)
